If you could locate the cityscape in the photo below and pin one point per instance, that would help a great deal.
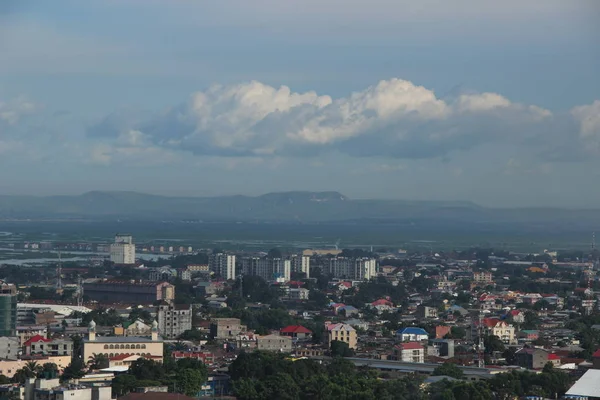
(299, 200)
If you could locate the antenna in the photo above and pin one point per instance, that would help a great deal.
(481, 345)
(79, 291)
(59, 285)
(593, 241)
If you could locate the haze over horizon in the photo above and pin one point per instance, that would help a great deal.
(498, 104)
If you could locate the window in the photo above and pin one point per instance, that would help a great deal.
(112, 346)
(105, 346)
(127, 346)
(143, 346)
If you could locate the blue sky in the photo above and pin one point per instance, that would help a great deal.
(494, 102)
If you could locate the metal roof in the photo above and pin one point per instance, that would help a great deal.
(587, 385)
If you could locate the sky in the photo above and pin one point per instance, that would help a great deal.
(492, 102)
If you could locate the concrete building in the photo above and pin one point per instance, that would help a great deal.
(223, 264)
(352, 268)
(173, 319)
(162, 274)
(531, 358)
(122, 251)
(441, 347)
(8, 309)
(342, 332)
(111, 346)
(8, 368)
(301, 264)
(496, 327)
(297, 332)
(39, 345)
(51, 389)
(424, 312)
(225, 328)
(410, 352)
(412, 334)
(282, 344)
(298, 294)
(268, 268)
(483, 277)
(113, 291)
(9, 348)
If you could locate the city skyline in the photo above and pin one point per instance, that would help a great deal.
(493, 103)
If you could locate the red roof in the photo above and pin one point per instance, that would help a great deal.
(295, 329)
(37, 339)
(596, 354)
(347, 284)
(410, 346)
(382, 302)
(553, 357)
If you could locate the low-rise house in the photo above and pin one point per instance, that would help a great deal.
(297, 332)
(441, 331)
(531, 357)
(382, 305)
(205, 356)
(298, 294)
(412, 334)
(529, 335)
(274, 343)
(226, 328)
(424, 312)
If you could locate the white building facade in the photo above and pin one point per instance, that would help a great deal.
(223, 264)
(122, 251)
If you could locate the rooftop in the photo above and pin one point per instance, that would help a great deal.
(122, 339)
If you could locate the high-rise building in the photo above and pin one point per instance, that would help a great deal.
(173, 319)
(301, 263)
(223, 264)
(8, 309)
(270, 269)
(352, 268)
(122, 251)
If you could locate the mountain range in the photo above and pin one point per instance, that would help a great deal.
(304, 207)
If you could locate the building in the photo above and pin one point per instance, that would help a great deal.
(223, 264)
(441, 331)
(8, 368)
(587, 387)
(442, 347)
(424, 312)
(122, 251)
(297, 332)
(162, 274)
(111, 346)
(204, 356)
(133, 292)
(39, 345)
(136, 328)
(410, 352)
(268, 268)
(278, 343)
(203, 269)
(483, 278)
(352, 268)
(301, 264)
(9, 348)
(173, 319)
(342, 332)
(225, 328)
(496, 327)
(51, 389)
(412, 334)
(298, 294)
(8, 309)
(531, 358)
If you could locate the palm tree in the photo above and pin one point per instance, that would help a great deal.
(32, 368)
(98, 361)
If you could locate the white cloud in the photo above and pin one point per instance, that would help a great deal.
(13, 110)
(588, 117)
(393, 118)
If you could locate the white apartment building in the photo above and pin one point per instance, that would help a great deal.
(223, 264)
(122, 251)
(301, 263)
(353, 268)
(270, 269)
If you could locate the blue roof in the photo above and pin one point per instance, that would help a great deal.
(412, 331)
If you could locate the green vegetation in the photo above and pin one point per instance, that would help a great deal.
(185, 376)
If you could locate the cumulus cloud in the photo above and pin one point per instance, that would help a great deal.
(394, 118)
(13, 110)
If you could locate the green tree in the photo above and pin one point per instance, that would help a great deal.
(98, 361)
(123, 384)
(189, 381)
(340, 349)
(74, 370)
(449, 369)
(48, 371)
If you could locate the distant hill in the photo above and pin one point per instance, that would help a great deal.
(306, 207)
